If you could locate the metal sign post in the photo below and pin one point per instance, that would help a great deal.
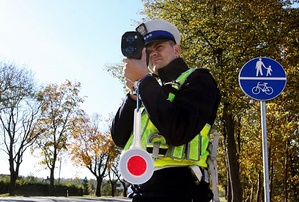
(265, 152)
(263, 79)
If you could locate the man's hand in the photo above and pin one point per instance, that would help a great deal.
(134, 70)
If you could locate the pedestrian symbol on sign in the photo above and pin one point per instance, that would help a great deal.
(259, 68)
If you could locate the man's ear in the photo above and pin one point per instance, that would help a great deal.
(177, 50)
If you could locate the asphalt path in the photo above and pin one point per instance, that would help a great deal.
(59, 199)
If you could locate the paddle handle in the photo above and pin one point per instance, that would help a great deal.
(137, 129)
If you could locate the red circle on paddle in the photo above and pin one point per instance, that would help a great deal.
(137, 165)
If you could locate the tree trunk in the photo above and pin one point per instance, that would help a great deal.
(113, 190)
(286, 172)
(294, 171)
(14, 173)
(113, 187)
(125, 188)
(231, 155)
(51, 187)
(228, 188)
(259, 187)
(271, 179)
(99, 186)
(12, 184)
(251, 191)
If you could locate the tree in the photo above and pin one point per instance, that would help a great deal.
(19, 111)
(92, 148)
(86, 186)
(60, 106)
(114, 177)
(116, 71)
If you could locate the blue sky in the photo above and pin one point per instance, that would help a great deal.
(68, 39)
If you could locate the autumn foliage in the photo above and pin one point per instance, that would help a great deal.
(93, 149)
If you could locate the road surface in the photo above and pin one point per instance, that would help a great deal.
(60, 199)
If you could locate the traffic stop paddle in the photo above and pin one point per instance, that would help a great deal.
(136, 165)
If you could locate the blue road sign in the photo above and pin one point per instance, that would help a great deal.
(262, 78)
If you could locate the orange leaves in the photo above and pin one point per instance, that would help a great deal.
(60, 106)
(91, 147)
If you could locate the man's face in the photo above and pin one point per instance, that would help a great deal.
(162, 53)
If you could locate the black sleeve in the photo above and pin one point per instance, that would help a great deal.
(194, 105)
(122, 124)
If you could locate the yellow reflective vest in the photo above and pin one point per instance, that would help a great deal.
(194, 152)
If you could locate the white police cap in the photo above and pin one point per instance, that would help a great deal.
(159, 30)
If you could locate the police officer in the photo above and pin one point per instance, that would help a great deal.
(180, 106)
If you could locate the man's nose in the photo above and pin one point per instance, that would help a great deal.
(153, 53)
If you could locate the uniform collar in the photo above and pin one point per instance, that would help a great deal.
(173, 70)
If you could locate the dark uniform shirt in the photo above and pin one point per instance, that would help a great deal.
(195, 104)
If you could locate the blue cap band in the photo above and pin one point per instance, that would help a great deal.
(158, 35)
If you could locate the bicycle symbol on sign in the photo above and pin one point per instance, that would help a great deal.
(262, 87)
